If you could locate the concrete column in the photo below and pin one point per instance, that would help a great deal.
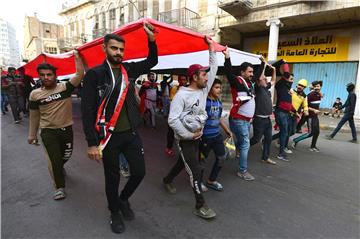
(357, 92)
(107, 22)
(126, 13)
(149, 11)
(161, 5)
(274, 25)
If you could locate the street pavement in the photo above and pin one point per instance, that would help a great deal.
(316, 195)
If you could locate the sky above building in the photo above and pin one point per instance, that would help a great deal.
(14, 11)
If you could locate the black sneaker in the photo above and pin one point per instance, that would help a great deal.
(126, 211)
(328, 136)
(116, 223)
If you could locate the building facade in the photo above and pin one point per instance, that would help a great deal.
(88, 20)
(321, 39)
(41, 37)
(9, 46)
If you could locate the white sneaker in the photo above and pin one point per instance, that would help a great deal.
(314, 150)
(204, 188)
(288, 151)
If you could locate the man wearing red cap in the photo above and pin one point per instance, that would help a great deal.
(187, 118)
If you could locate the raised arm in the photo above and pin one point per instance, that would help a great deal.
(228, 68)
(135, 69)
(75, 81)
(212, 62)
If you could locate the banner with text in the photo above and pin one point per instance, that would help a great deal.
(308, 49)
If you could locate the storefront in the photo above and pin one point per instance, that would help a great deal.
(331, 56)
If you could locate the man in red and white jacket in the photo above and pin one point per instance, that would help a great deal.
(242, 111)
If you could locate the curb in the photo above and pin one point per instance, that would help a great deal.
(342, 130)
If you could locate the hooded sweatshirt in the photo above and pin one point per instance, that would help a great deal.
(187, 109)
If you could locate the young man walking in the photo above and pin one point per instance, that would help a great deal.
(187, 118)
(111, 115)
(212, 138)
(51, 111)
(262, 125)
(349, 106)
(314, 100)
(242, 111)
(14, 89)
(148, 92)
(182, 81)
(299, 102)
(283, 109)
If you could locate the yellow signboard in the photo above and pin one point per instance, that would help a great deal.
(308, 49)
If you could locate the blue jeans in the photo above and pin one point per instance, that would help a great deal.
(123, 162)
(4, 101)
(282, 120)
(343, 120)
(241, 129)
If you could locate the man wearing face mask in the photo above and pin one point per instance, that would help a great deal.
(314, 100)
(149, 91)
(348, 114)
(111, 115)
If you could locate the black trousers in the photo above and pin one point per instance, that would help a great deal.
(170, 138)
(314, 132)
(262, 127)
(59, 146)
(302, 121)
(128, 143)
(189, 158)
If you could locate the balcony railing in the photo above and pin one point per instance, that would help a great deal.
(182, 17)
(237, 8)
(68, 43)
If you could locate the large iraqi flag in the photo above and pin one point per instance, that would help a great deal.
(177, 48)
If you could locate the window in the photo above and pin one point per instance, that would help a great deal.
(96, 22)
(122, 16)
(72, 29)
(103, 20)
(51, 50)
(142, 5)
(82, 26)
(112, 19)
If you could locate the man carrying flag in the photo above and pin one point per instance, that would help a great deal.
(110, 117)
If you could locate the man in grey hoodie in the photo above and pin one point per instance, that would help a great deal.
(187, 118)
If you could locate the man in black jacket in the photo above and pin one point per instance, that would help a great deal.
(111, 115)
(348, 114)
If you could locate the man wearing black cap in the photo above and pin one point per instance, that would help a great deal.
(348, 114)
(187, 118)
